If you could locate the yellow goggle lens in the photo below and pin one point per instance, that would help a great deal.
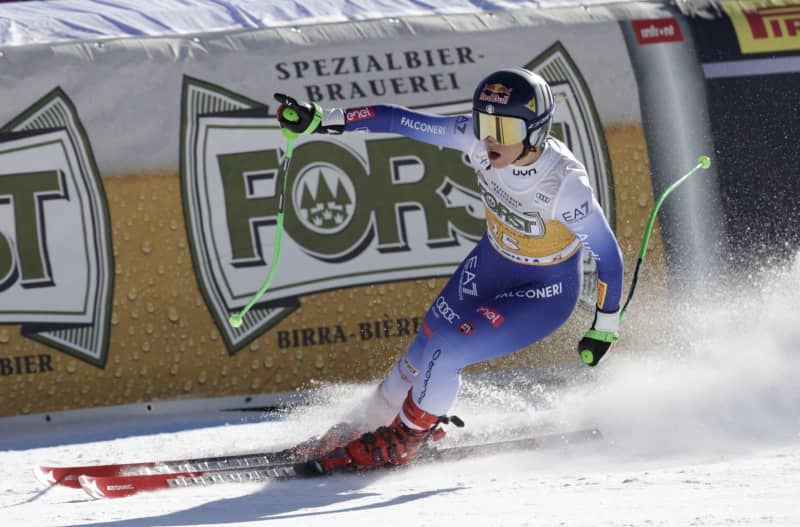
(505, 130)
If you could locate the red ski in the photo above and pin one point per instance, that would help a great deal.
(122, 486)
(68, 476)
(127, 485)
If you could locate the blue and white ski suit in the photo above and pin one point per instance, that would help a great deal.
(522, 280)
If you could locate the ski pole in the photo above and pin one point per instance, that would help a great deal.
(702, 162)
(289, 114)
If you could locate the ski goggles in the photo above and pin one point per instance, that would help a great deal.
(505, 130)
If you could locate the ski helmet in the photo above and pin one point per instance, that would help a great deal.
(513, 106)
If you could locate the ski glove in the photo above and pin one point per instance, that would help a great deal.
(600, 339)
(308, 117)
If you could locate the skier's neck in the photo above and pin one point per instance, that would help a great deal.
(529, 158)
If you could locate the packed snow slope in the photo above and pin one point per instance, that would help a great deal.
(701, 428)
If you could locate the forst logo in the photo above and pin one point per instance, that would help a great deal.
(324, 197)
(28, 262)
(529, 226)
(56, 261)
(374, 202)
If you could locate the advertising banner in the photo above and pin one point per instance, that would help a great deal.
(139, 200)
(751, 64)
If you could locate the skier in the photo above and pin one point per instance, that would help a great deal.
(519, 283)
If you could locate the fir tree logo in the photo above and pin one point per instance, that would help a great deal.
(323, 198)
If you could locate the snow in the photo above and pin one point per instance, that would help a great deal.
(700, 429)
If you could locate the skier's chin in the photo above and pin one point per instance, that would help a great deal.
(500, 156)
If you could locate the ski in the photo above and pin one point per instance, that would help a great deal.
(68, 476)
(127, 485)
(122, 486)
(539, 442)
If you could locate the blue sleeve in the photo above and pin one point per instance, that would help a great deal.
(449, 131)
(581, 213)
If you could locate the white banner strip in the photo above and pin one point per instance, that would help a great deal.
(65, 20)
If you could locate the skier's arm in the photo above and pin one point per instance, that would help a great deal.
(450, 131)
(444, 131)
(577, 208)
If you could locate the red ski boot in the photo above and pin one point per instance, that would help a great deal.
(395, 444)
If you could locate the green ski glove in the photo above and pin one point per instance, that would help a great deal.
(600, 339)
(308, 117)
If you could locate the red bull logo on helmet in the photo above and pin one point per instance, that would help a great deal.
(496, 93)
